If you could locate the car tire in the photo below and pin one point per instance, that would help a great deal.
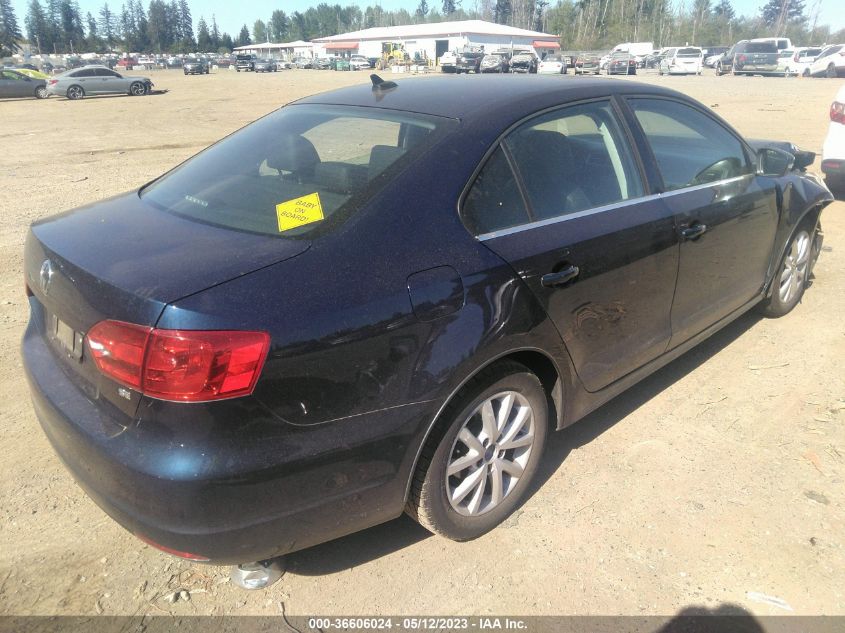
(831, 71)
(792, 274)
(75, 92)
(41, 92)
(137, 89)
(462, 505)
(806, 72)
(719, 72)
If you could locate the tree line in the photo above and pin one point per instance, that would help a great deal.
(58, 26)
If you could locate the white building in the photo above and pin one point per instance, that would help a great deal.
(430, 41)
(283, 50)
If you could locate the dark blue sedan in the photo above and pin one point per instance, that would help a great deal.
(381, 300)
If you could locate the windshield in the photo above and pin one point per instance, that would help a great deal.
(299, 170)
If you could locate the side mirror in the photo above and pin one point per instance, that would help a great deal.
(774, 162)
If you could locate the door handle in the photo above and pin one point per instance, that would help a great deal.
(693, 232)
(559, 278)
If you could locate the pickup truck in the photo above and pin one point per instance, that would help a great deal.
(245, 63)
(469, 61)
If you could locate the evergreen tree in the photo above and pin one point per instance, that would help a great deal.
(449, 7)
(278, 26)
(186, 26)
(226, 42)
(776, 13)
(203, 38)
(422, 10)
(243, 37)
(109, 26)
(214, 33)
(259, 31)
(93, 40)
(158, 27)
(10, 32)
(502, 11)
(37, 29)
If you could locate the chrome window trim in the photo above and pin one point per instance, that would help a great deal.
(483, 237)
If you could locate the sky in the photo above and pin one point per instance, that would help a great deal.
(231, 15)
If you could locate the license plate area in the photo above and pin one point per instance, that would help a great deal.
(65, 337)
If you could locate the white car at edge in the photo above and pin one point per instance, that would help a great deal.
(830, 62)
(833, 152)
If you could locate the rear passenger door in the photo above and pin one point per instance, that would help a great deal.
(85, 78)
(563, 201)
(726, 215)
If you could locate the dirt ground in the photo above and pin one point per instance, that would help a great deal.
(719, 480)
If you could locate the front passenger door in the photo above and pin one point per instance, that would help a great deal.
(726, 215)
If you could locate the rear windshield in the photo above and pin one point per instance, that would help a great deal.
(761, 47)
(297, 172)
(689, 52)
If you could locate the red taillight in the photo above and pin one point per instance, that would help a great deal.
(118, 349)
(837, 112)
(53, 82)
(741, 59)
(181, 365)
(795, 57)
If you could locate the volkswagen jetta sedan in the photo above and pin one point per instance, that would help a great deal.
(310, 328)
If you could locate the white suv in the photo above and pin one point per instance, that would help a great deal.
(830, 62)
(833, 153)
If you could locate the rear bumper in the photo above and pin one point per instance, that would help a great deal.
(226, 490)
(834, 167)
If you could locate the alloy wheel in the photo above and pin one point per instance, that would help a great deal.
(795, 263)
(490, 453)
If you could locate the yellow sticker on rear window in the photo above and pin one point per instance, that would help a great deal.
(298, 212)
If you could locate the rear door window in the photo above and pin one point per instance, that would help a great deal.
(494, 201)
(690, 147)
(574, 159)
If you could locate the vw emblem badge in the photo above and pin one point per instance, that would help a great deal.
(46, 275)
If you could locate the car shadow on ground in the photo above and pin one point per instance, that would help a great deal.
(373, 543)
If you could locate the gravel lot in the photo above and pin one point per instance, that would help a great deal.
(719, 478)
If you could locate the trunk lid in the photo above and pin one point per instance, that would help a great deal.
(122, 259)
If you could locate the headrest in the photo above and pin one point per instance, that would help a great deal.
(533, 147)
(382, 157)
(340, 177)
(293, 153)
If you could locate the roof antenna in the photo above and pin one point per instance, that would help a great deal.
(380, 85)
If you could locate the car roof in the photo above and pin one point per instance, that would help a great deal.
(458, 97)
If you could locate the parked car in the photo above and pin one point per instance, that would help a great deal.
(833, 152)
(552, 65)
(194, 66)
(359, 62)
(302, 62)
(225, 62)
(749, 57)
(800, 61)
(713, 53)
(622, 64)
(524, 62)
(686, 60)
(469, 61)
(245, 62)
(147, 62)
(461, 320)
(496, 62)
(16, 84)
(321, 63)
(97, 80)
(448, 61)
(125, 63)
(586, 63)
(265, 66)
(830, 62)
